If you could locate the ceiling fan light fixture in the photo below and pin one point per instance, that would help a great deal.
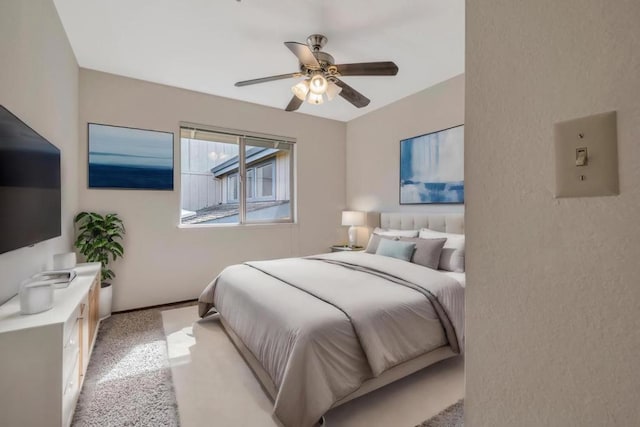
(318, 84)
(320, 73)
(301, 89)
(333, 90)
(315, 98)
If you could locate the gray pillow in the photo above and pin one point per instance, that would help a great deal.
(452, 256)
(372, 246)
(452, 260)
(396, 249)
(386, 233)
(374, 241)
(427, 251)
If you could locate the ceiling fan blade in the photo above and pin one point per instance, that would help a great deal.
(268, 79)
(304, 54)
(352, 95)
(386, 68)
(294, 104)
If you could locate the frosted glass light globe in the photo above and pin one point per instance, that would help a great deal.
(318, 84)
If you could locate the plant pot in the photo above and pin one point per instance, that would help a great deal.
(106, 296)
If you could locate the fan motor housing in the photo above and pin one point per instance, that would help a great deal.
(316, 41)
(324, 58)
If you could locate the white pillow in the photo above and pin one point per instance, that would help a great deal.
(452, 255)
(395, 233)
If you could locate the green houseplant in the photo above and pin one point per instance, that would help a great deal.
(97, 240)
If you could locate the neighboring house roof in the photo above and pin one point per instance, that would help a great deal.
(253, 155)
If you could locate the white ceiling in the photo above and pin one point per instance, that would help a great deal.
(208, 45)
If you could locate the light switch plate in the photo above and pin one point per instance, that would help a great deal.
(599, 175)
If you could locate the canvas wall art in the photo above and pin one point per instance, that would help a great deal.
(121, 157)
(432, 168)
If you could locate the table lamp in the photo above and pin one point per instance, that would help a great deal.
(353, 219)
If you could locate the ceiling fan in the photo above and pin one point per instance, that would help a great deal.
(321, 75)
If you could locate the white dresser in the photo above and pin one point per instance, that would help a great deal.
(44, 356)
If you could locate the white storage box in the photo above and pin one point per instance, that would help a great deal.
(36, 297)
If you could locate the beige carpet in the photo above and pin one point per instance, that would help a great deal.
(453, 416)
(214, 386)
(128, 382)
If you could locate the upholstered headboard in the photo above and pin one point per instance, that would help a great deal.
(450, 223)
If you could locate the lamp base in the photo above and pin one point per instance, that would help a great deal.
(353, 236)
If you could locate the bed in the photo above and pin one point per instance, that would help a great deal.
(320, 331)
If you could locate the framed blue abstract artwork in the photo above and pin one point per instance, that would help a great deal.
(121, 157)
(432, 168)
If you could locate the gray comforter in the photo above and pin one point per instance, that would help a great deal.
(321, 326)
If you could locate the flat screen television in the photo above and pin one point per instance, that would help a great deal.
(30, 200)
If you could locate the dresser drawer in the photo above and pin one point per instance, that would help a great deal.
(70, 353)
(70, 326)
(70, 393)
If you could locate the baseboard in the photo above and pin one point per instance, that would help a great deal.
(171, 304)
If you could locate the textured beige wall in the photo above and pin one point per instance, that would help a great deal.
(164, 263)
(39, 84)
(373, 145)
(553, 295)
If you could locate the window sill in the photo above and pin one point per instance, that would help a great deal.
(254, 226)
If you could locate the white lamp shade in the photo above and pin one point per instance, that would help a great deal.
(318, 84)
(301, 89)
(353, 218)
(315, 98)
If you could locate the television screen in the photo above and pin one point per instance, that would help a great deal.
(30, 204)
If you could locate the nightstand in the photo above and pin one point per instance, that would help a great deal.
(343, 248)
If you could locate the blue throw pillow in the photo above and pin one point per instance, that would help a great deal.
(396, 249)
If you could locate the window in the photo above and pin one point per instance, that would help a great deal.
(264, 188)
(251, 182)
(265, 181)
(232, 189)
(214, 189)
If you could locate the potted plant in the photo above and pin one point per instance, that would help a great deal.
(97, 241)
